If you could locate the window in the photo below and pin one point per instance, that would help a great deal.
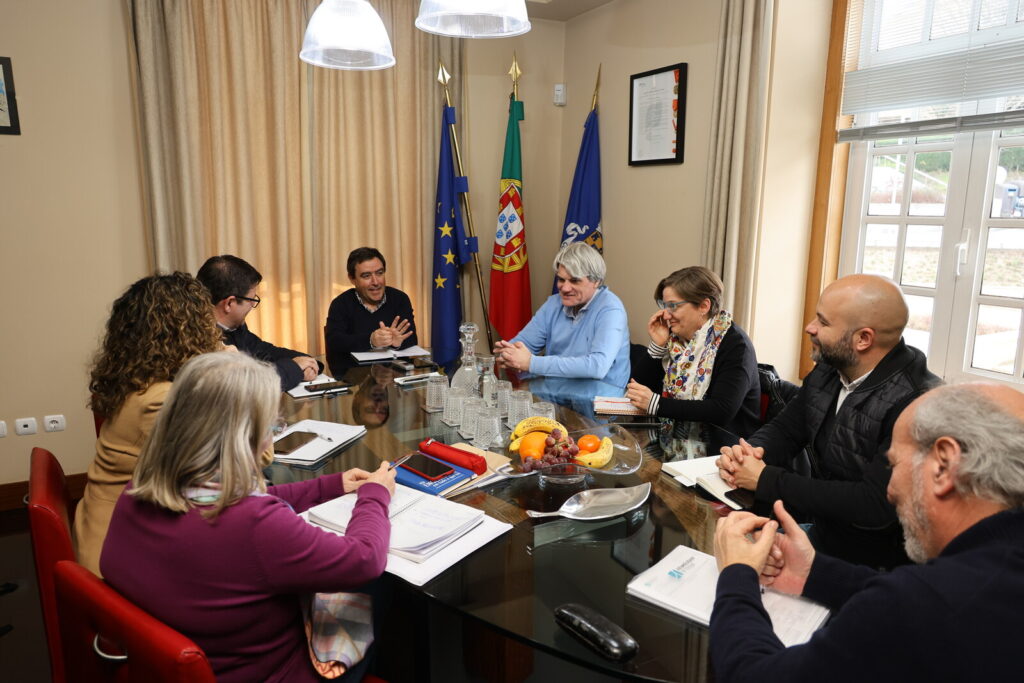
(936, 175)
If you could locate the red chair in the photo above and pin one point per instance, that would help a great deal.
(107, 638)
(49, 517)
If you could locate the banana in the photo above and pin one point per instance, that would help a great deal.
(537, 424)
(598, 458)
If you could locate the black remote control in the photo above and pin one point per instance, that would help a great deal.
(597, 631)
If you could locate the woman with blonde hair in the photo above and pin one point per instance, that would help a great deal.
(155, 326)
(199, 541)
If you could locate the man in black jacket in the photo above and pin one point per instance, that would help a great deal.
(844, 414)
(232, 284)
(957, 460)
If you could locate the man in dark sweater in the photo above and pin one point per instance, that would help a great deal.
(843, 415)
(369, 316)
(232, 284)
(957, 460)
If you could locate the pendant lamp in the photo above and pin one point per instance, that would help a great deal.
(473, 18)
(347, 34)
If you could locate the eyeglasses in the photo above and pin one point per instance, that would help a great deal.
(671, 305)
(255, 300)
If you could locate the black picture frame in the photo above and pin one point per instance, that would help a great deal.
(10, 124)
(657, 100)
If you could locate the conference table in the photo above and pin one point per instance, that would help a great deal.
(500, 600)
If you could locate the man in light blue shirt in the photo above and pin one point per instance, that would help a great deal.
(582, 329)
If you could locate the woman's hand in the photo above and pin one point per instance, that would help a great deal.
(639, 395)
(353, 479)
(657, 328)
(383, 475)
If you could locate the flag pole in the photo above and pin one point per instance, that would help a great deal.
(443, 77)
(597, 89)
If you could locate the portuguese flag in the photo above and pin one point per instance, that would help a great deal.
(509, 306)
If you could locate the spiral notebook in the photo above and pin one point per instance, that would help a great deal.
(611, 405)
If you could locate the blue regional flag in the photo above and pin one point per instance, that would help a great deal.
(451, 249)
(583, 214)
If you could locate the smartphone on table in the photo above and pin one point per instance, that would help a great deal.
(429, 468)
(293, 442)
(328, 386)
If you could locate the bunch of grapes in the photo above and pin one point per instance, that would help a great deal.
(558, 450)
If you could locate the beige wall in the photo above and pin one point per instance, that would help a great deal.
(70, 237)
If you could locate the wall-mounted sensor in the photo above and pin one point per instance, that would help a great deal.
(559, 97)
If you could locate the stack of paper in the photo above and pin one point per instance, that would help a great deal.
(611, 405)
(491, 476)
(331, 437)
(428, 535)
(389, 354)
(684, 582)
(336, 514)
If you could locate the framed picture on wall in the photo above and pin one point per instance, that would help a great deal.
(657, 116)
(9, 124)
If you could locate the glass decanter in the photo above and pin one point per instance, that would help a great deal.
(467, 377)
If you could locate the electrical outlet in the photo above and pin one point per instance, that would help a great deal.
(3, 429)
(54, 423)
(23, 426)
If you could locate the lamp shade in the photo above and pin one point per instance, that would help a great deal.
(473, 18)
(347, 34)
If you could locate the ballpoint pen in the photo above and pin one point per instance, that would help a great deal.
(399, 461)
(325, 437)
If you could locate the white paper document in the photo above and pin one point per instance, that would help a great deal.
(684, 582)
(388, 354)
(329, 437)
(335, 514)
(687, 471)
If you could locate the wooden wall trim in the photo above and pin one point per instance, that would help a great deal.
(830, 182)
(12, 495)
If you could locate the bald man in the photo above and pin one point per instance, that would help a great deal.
(843, 415)
(957, 459)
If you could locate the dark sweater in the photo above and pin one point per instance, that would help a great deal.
(349, 325)
(287, 369)
(846, 494)
(956, 618)
(733, 396)
(234, 585)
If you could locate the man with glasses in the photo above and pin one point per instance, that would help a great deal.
(843, 415)
(232, 284)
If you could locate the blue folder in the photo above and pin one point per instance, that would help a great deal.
(409, 478)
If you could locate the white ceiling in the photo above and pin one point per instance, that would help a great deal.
(561, 10)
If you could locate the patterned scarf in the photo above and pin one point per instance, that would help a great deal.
(688, 367)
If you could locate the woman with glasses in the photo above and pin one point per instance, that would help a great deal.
(154, 327)
(708, 363)
(199, 542)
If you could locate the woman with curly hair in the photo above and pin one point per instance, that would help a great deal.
(154, 327)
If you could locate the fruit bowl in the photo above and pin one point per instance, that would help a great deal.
(625, 459)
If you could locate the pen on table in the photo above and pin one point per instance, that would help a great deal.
(399, 461)
(325, 437)
(416, 378)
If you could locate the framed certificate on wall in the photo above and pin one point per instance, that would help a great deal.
(9, 124)
(657, 116)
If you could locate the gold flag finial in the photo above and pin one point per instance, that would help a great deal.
(442, 73)
(597, 89)
(515, 72)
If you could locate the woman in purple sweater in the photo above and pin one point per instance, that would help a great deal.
(202, 545)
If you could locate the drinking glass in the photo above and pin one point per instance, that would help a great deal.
(503, 394)
(543, 409)
(488, 428)
(519, 406)
(452, 414)
(470, 412)
(437, 390)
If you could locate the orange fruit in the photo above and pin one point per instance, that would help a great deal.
(532, 445)
(588, 443)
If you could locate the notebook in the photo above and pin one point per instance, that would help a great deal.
(390, 354)
(422, 526)
(611, 405)
(684, 582)
(687, 471)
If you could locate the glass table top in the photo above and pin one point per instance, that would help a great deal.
(515, 583)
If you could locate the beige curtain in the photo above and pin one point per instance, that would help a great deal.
(247, 150)
(732, 203)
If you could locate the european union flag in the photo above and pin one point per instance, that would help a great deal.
(451, 249)
(583, 214)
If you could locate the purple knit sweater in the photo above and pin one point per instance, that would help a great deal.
(233, 586)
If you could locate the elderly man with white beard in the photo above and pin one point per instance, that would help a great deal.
(957, 460)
